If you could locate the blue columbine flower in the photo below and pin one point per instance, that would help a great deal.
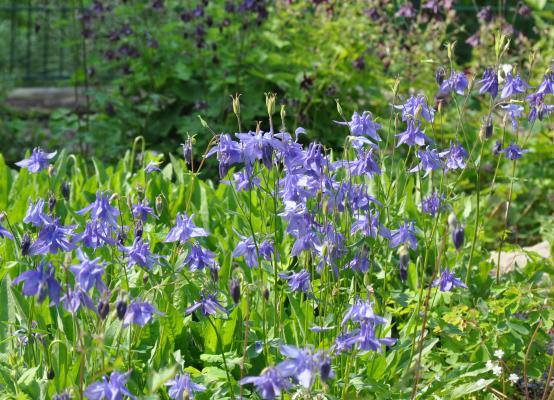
(199, 258)
(142, 209)
(416, 105)
(110, 388)
(209, 305)
(247, 248)
(101, 209)
(513, 151)
(547, 85)
(182, 384)
(151, 167)
(456, 83)
(489, 83)
(35, 214)
(269, 384)
(89, 272)
(514, 111)
(413, 136)
(363, 125)
(298, 281)
(369, 225)
(455, 156)
(538, 107)
(4, 233)
(38, 161)
(184, 229)
(405, 234)
(73, 300)
(140, 313)
(40, 282)
(303, 365)
(360, 262)
(432, 204)
(258, 146)
(448, 281)
(228, 153)
(53, 237)
(429, 161)
(139, 254)
(364, 164)
(244, 180)
(96, 234)
(513, 85)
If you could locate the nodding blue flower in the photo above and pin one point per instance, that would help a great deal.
(298, 281)
(96, 234)
(456, 83)
(110, 388)
(448, 281)
(455, 156)
(269, 384)
(101, 209)
(360, 262)
(243, 180)
(38, 160)
(363, 125)
(514, 111)
(151, 167)
(247, 248)
(364, 164)
(367, 340)
(89, 272)
(405, 234)
(199, 258)
(228, 153)
(73, 300)
(140, 313)
(258, 146)
(547, 85)
(267, 250)
(41, 282)
(362, 311)
(489, 82)
(414, 107)
(4, 233)
(432, 204)
(35, 214)
(184, 229)
(209, 305)
(62, 396)
(513, 85)
(142, 209)
(413, 136)
(538, 108)
(314, 161)
(458, 234)
(53, 237)
(407, 10)
(497, 148)
(139, 254)
(182, 387)
(429, 161)
(486, 14)
(303, 365)
(513, 151)
(369, 225)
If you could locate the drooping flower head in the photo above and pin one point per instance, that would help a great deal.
(513, 85)
(228, 153)
(247, 248)
(184, 229)
(74, 299)
(35, 214)
(303, 365)
(513, 151)
(4, 233)
(514, 111)
(140, 313)
(139, 254)
(269, 384)
(52, 238)
(209, 305)
(415, 107)
(199, 258)
(89, 272)
(448, 281)
(40, 282)
(152, 166)
(432, 204)
(547, 85)
(413, 136)
(363, 125)
(405, 234)
(101, 209)
(489, 83)
(429, 161)
(455, 156)
(182, 386)
(38, 160)
(96, 234)
(539, 109)
(110, 388)
(142, 209)
(258, 146)
(456, 83)
(298, 281)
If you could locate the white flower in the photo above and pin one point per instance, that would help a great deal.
(497, 370)
(513, 378)
(481, 382)
(498, 354)
(489, 365)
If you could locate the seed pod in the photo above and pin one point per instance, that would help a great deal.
(25, 244)
(103, 309)
(234, 288)
(121, 309)
(458, 237)
(65, 189)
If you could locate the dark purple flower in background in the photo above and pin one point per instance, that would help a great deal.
(513, 85)
(269, 384)
(415, 107)
(513, 151)
(89, 272)
(199, 258)
(489, 83)
(4, 233)
(485, 14)
(448, 281)
(182, 384)
(51, 238)
(474, 40)
(359, 63)
(35, 214)
(152, 166)
(141, 210)
(247, 248)
(267, 250)
(101, 209)
(363, 125)
(407, 10)
(298, 281)
(74, 299)
(432, 204)
(405, 234)
(41, 282)
(140, 313)
(228, 153)
(110, 388)
(515, 111)
(455, 156)
(139, 254)
(456, 83)
(38, 160)
(429, 161)
(208, 304)
(184, 229)
(413, 136)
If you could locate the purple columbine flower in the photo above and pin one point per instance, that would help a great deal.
(199, 258)
(456, 83)
(369, 225)
(360, 262)
(474, 40)
(429, 161)
(228, 153)
(267, 250)
(547, 85)
(141, 210)
(362, 311)
(110, 388)
(513, 85)
(432, 204)
(151, 167)
(514, 111)
(364, 164)
(303, 365)
(416, 105)
(538, 107)
(209, 305)
(363, 125)
(247, 248)
(298, 281)
(489, 83)
(96, 234)
(40, 282)
(101, 209)
(38, 161)
(73, 300)
(89, 272)
(485, 14)
(513, 151)
(182, 384)
(458, 234)
(407, 10)
(4, 233)
(35, 214)
(455, 156)
(258, 146)
(184, 229)
(405, 234)
(139, 254)
(140, 313)
(413, 136)
(51, 238)
(448, 281)
(244, 180)
(269, 384)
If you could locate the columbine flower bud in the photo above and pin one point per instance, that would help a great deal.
(458, 237)
(50, 374)
(121, 309)
(440, 74)
(283, 115)
(236, 104)
(51, 202)
(121, 236)
(270, 103)
(50, 170)
(234, 288)
(25, 244)
(325, 371)
(159, 204)
(140, 192)
(114, 196)
(139, 228)
(65, 189)
(266, 293)
(404, 260)
(452, 221)
(497, 148)
(103, 309)
(214, 273)
(187, 151)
